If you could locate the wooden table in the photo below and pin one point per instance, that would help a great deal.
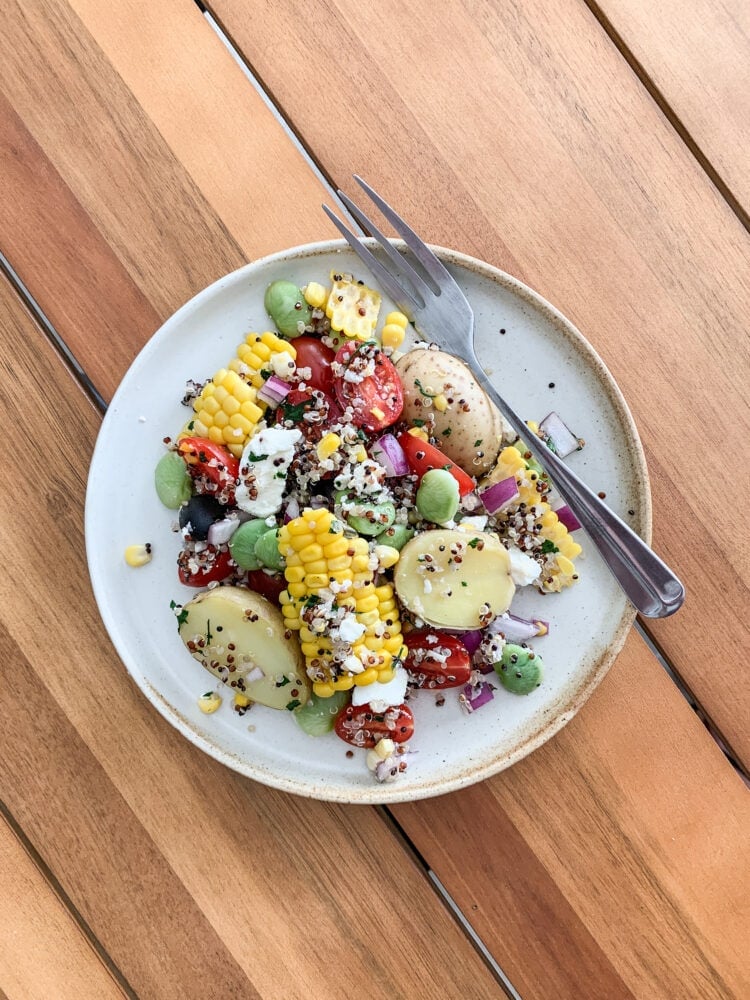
(598, 151)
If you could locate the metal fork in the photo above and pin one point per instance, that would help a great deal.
(443, 315)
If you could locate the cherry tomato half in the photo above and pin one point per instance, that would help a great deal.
(218, 566)
(362, 727)
(378, 399)
(436, 659)
(423, 456)
(301, 402)
(312, 353)
(213, 468)
(265, 584)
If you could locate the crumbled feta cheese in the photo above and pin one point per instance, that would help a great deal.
(523, 569)
(263, 468)
(350, 629)
(391, 693)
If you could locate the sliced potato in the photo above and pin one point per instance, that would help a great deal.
(469, 429)
(239, 637)
(454, 579)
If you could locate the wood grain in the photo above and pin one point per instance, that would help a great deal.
(44, 952)
(697, 55)
(536, 149)
(197, 882)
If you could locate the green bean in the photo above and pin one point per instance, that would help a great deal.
(286, 306)
(437, 497)
(519, 669)
(172, 481)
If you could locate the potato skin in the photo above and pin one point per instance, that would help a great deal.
(233, 631)
(453, 579)
(461, 425)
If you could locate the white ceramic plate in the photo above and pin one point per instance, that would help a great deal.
(589, 621)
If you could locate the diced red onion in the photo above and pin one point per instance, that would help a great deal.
(274, 390)
(471, 640)
(221, 531)
(389, 453)
(291, 511)
(560, 436)
(499, 495)
(517, 629)
(476, 697)
(566, 516)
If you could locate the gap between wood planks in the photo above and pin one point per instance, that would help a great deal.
(660, 100)
(53, 882)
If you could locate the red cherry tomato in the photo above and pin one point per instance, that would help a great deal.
(265, 584)
(423, 456)
(213, 468)
(301, 402)
(378, 399)
(217, 564)
(436, 659)
(312, 353)
(362, 727)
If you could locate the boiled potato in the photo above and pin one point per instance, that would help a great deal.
(230, 627)
(454, 579)
(468, 432)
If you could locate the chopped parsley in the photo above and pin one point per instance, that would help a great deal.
(294, 703)
(209, 633)
(478, 442)
(447, 432)
(423, 391)
(182, 615)
(265, 373)
(419, 423)
(464, 583)
(256, 458)
(295, 411)
(208, 694)
(312, 600)
(283, 682)
(548, 547)
(473, 543)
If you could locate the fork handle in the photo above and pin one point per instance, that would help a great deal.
(648, 583)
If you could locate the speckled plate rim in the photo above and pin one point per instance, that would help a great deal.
(576, 695)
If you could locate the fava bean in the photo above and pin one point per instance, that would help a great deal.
(396, 536)
(242, 543)
(519, 669)
(267, 549)
(437, 497)
(286, 306)
(373, 519)
(172, 481)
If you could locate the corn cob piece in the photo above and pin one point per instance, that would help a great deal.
(560, 570)
(317, 555)
(228, 409)
(352, 307)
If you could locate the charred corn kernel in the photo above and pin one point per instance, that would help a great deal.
(138, 555)
(386, 555)
(315, 546)
(209, 702)
(419, 432)
(440, 402)
(315, 294)
(352, 307)
(377, 412)
(327, 445)
(241, 700)
(392, 335)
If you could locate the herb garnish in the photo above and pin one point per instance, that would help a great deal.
(548, 546)
(291, 705)
(256, 458)
(447, 432)
(422, 390)
(283, 682)
(473, 543)
(182, 616)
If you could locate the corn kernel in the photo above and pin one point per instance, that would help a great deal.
(368, 676)
(327, 446)
(343, 683)
(209, 702)
(384, 748)
(377, 413)
(323, 689)
(387, 556)
(419, 432)
(241, 700)
(440, 402)
(392, 335)
(138, 555)
(565, 565)
(398, 319)
(315, 295)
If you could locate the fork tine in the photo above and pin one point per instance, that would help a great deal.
(421, 251)
(400, 295)
(415, 279)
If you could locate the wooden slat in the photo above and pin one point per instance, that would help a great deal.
(537, 149)
(197, 882)
(696, 53)
(44, 952)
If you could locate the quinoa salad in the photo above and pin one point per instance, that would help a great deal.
(355, 519)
